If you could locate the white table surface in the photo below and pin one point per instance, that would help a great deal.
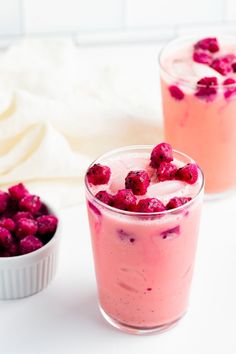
(64, 318)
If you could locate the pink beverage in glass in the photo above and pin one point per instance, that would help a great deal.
(144, 253)
(198, 80)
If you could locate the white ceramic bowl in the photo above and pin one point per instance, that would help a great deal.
(25, 275)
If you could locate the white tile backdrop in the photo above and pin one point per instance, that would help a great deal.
(176, 12)
(11, 17)
(72, 15)
(119, 18)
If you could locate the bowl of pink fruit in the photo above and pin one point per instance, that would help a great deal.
(29, 239)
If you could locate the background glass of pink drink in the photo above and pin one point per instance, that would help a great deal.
(144, 262)
(203, 128)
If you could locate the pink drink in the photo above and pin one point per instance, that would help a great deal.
(202, 125)
(144, 262)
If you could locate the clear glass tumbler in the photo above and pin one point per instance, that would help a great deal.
(143, 261)
(200, 119)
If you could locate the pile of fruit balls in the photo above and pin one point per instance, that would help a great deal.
(25, 222)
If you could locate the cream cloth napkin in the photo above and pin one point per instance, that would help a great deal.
(61, 106)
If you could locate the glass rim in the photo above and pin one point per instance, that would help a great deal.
(135, 213)
(185, 82)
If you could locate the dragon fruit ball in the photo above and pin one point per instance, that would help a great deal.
(25, 222)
